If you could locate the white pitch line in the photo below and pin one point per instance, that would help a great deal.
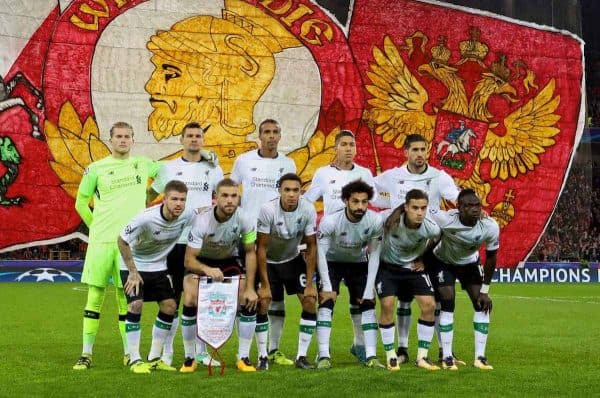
(552, 299)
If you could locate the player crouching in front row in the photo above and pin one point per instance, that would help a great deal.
(402, 272)
(212, 250)
(144, 245)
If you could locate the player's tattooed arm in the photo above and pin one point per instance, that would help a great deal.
(393, 219)
(134, 280)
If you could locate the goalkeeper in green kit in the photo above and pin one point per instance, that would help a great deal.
(117, 184)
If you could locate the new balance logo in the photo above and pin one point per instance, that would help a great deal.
(156, 232)
(179, 173)
(332, 182)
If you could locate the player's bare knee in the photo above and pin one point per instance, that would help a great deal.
(168, 306)
(135, 307)
(427, 307)
(309, 304)
(387, 304)
(263, 306)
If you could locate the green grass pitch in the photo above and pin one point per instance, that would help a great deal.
(543, 342)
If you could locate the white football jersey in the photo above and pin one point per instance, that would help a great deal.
(259, 176)
(402, 245)
(398, 181)
(460, 243)
(286, 229)
(328, 181)
(151, 238)
(200, 178)
(219, 240)
(346, 241)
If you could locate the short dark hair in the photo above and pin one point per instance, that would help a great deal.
(412, 138)
(226, 182)
(343, 133)
(466, 192)
(266, 121)
(416, 194)
(357, 186)
(192, 125)
(289, 177)
(175, 185)
(121, 125)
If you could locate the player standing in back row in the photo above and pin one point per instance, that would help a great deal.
(198, 169)
(258, 172)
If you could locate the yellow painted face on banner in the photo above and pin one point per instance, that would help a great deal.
(207, 69)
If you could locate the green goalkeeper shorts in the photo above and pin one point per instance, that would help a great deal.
(101, 264)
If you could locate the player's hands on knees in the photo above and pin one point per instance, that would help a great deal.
(485, 302)
(264, 293)
(324, 296)
(133, 283)
(249, 298)
(214, 273)
(310, 291)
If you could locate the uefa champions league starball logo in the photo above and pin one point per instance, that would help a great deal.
(44, 274)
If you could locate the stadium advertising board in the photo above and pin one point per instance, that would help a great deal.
(70, 271)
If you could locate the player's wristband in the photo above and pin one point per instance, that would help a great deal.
(484, 289)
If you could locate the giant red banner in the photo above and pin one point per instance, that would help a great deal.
(500, 101)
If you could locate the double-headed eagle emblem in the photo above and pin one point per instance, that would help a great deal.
(512, 143)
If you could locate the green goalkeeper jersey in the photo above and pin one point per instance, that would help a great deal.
(118, 188)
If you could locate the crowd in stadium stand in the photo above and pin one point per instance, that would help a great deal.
(572, 234)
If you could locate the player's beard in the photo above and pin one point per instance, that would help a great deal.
(357, 214)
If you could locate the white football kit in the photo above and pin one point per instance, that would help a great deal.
(403, 245)
(460, 243)
(340, 240)
(286, 229)
(328, 182)
(398, 181)
(259, 177)
(151, 237)
(220, 240)
(200, 178)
